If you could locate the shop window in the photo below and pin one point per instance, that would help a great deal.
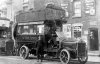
(77, 31)
(67, 30)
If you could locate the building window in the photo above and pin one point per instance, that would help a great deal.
(25, 5)
(65, 5)
(25, 8)
(77, 8)
(25, 1)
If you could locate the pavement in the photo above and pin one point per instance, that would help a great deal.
(93, 59)
(18, 60)
(94, 56)
(93, 53)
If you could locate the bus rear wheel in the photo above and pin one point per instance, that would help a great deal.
(24, 52)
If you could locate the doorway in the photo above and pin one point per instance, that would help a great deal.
(93, 39)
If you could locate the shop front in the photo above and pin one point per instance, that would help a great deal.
(87, 30)
(93, 36)
(93, 39)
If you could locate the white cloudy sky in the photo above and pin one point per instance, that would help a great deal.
(2, 3)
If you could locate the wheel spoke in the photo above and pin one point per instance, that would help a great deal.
(66, 59)
(63, 59)
(23, 52)
(62, 53)
(64, 56)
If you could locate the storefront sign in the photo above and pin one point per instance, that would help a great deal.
(77, 24)
(90, 7)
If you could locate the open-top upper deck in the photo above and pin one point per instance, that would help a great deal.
(50, 12)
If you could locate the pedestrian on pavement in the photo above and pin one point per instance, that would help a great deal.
(39, 51)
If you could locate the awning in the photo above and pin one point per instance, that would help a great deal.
(4, 18)
(4, 22)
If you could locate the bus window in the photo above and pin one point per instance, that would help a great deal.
(40, 29)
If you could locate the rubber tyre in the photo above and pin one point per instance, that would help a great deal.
(84, 59)
(64, 56)
(24, 52)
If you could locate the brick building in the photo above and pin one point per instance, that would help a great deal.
(83, 22)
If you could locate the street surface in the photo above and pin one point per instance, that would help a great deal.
(31, 60)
